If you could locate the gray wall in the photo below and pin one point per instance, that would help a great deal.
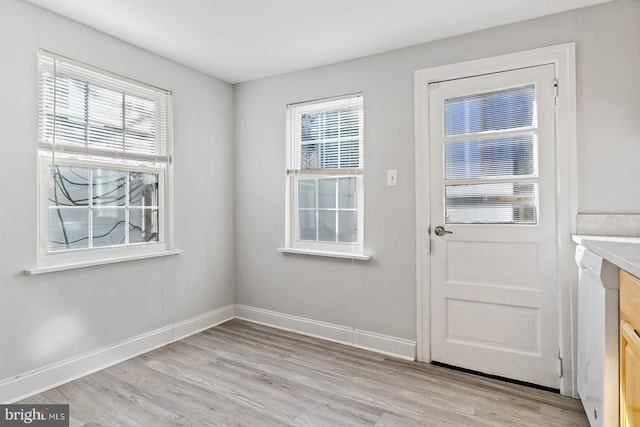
(51, 317)
(379, 296)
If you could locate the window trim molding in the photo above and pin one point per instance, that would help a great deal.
(329, 254)
(63, 266)
(353, 250)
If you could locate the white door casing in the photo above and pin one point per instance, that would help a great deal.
(501, 294)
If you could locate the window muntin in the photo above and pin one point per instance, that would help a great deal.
(491, 158)
(105, 155)
(325, 174)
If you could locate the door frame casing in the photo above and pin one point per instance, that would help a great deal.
(563, 58)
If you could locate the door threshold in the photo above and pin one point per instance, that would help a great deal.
(497, 377)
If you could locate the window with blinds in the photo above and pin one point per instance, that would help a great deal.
(491, 158)
(89, 111)
(325, 147)
(104, 151)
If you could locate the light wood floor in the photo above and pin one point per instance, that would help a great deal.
(241, 374)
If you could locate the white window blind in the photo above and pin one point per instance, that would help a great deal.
(88, 111)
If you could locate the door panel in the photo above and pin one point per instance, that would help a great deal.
(494, 304)
(483, 263)
(493, 326)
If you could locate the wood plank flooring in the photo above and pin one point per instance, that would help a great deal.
(242, 374)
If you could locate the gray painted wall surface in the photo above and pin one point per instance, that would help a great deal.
(51, 317)
(379, 296)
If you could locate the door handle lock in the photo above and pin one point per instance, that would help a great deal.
(440, 231)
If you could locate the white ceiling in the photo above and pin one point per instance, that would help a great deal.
(242, 40)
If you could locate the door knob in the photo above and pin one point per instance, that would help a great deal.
(440, 231)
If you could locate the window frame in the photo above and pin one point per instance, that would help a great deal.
(294, 174)
(90, 157)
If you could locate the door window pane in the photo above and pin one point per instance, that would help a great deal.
(495, 203)
(488, 158)
(504, 109)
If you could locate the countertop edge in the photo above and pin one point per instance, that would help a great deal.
(623, 252)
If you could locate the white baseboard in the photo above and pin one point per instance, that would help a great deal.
(392, 346)
(37, 381)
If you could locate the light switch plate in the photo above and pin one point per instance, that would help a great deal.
(392, 177)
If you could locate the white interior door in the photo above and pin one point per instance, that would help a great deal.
(494, 290)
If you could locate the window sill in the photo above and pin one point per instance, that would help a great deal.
(82, 264)
(331, 254)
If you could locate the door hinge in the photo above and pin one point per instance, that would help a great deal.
(555, 89)
(560, 369)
